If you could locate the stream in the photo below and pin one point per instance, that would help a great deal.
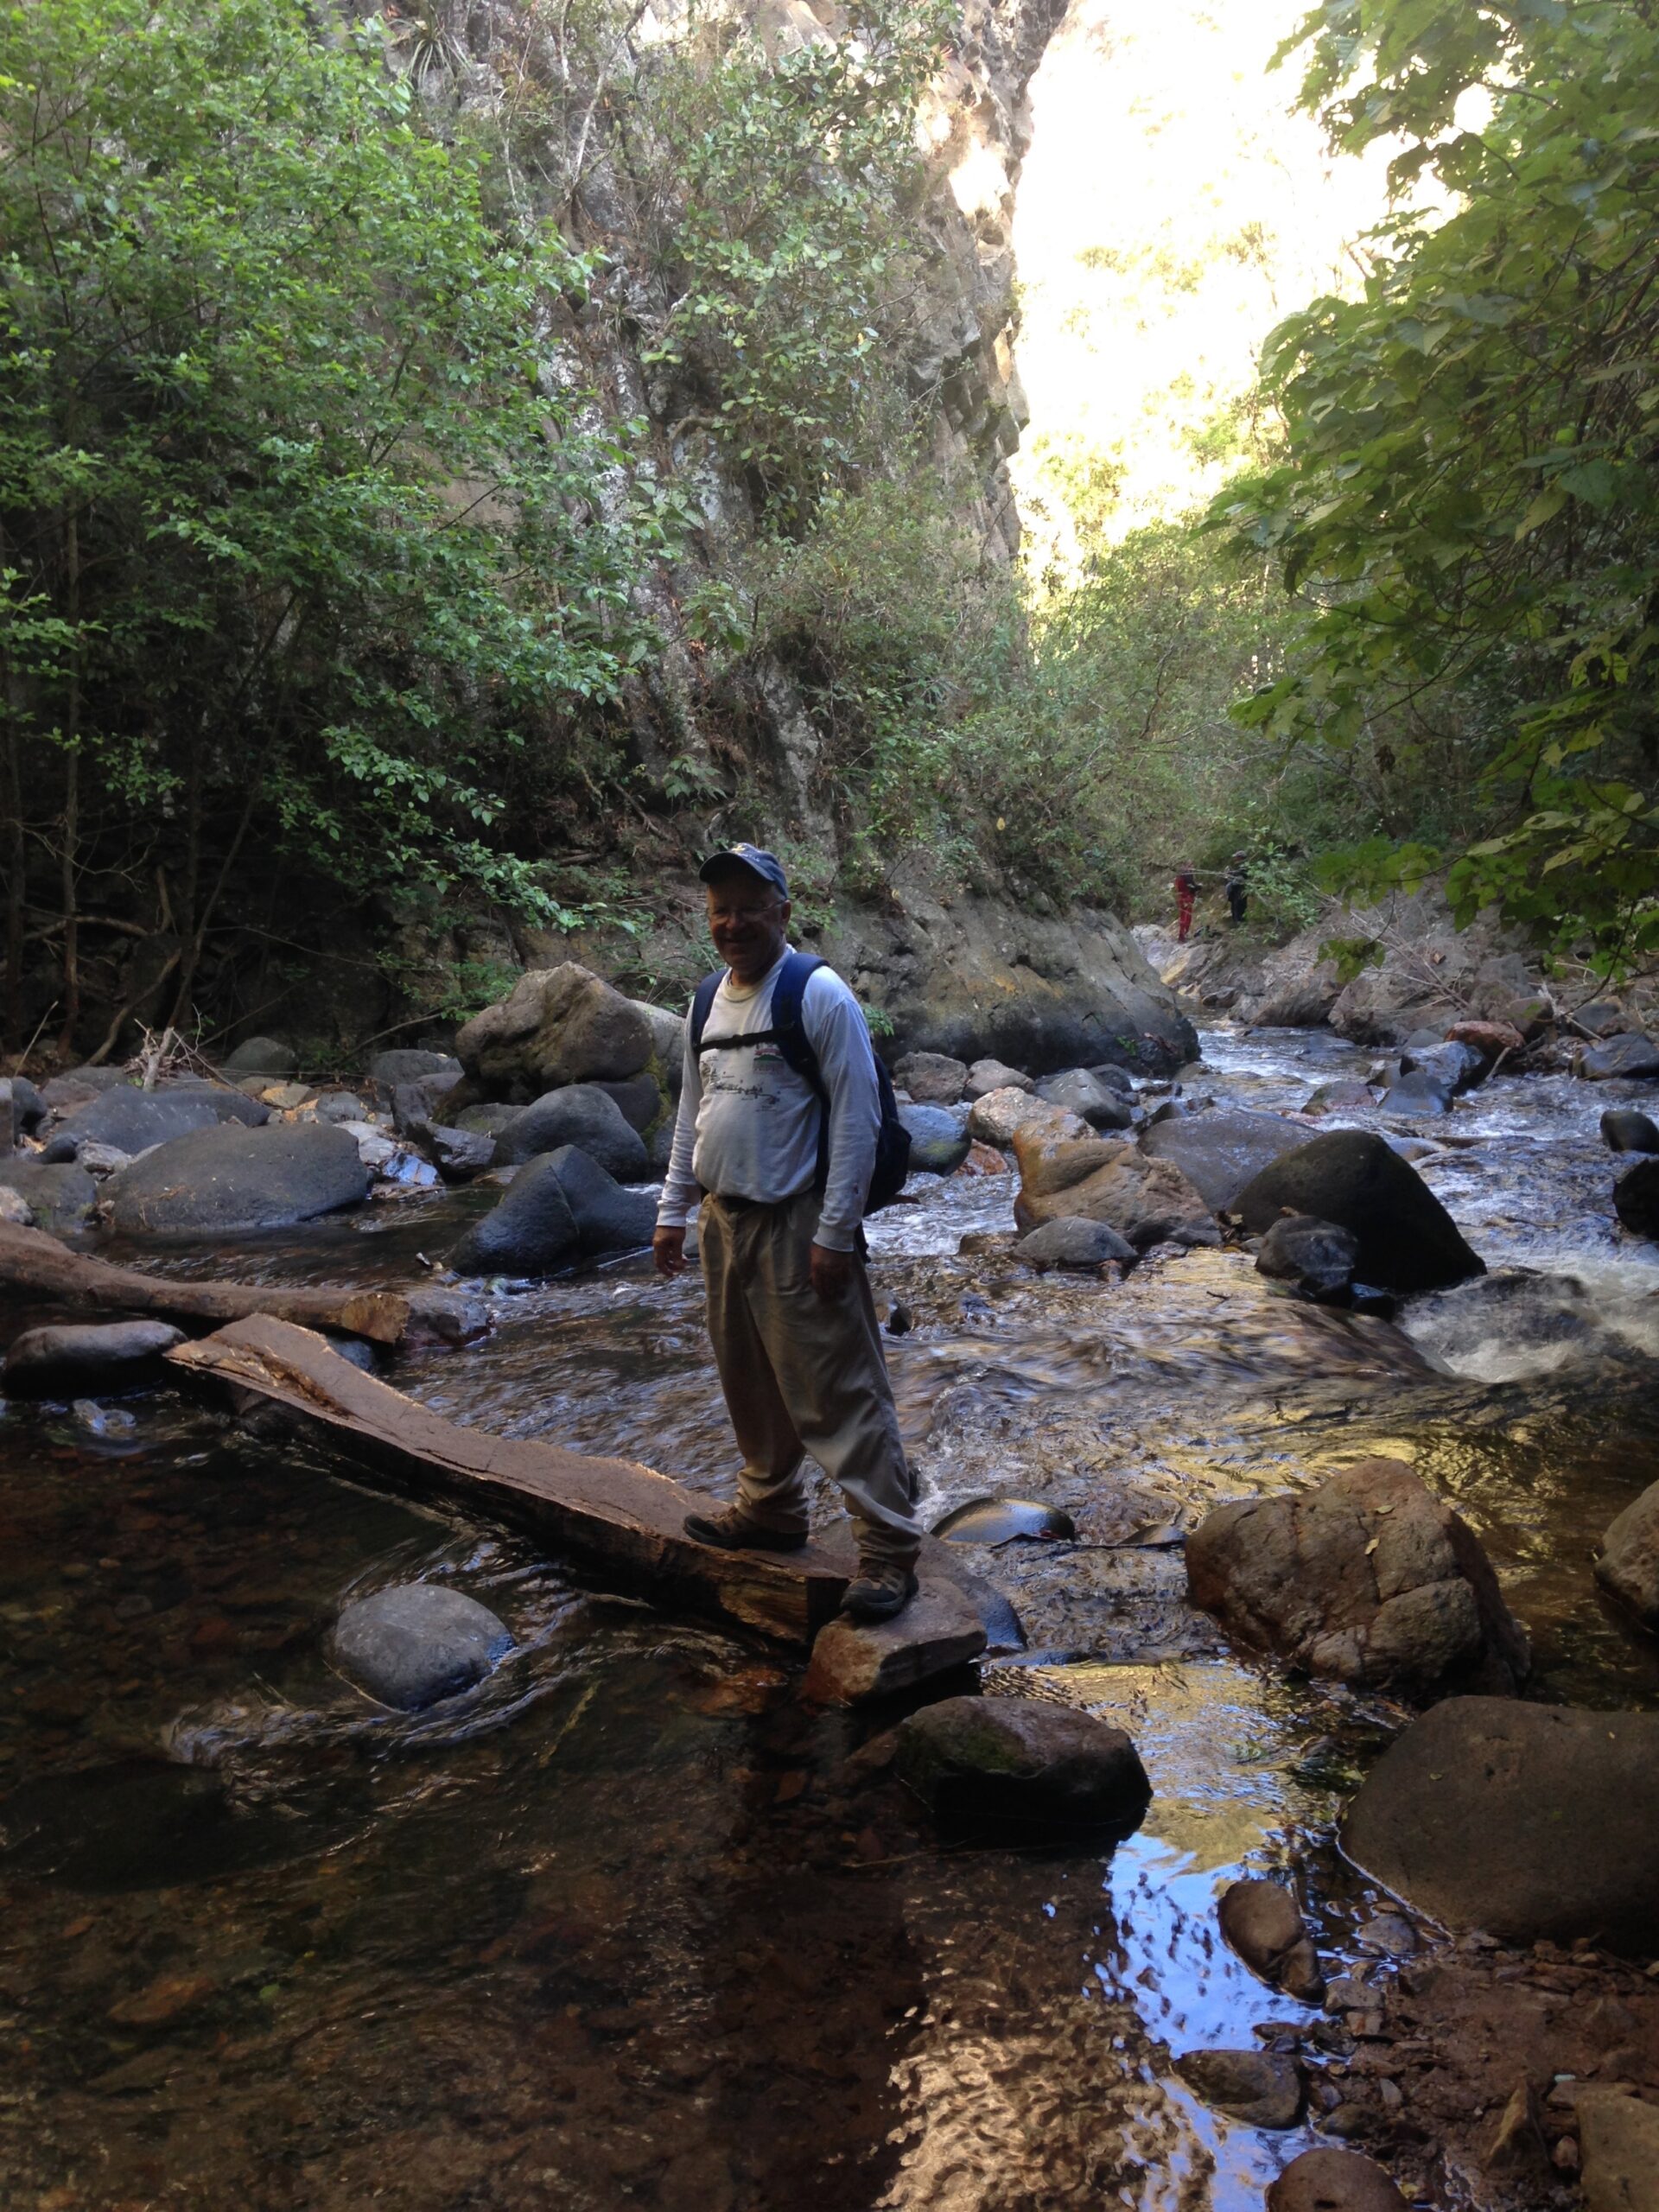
(611, 1931)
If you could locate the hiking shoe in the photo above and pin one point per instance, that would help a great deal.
(733, 1531)
(883, 1588)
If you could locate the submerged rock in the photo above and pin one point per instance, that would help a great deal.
(558, 1206)
(1316, 1258)
(1408, 1241)
(1370, 1579)
(1631, 1054)
(932, 1078)
(1334, 2181)
(1147, 1201)
(1530, 1822)
(1073, 1241)
(1262, 1921)
(70, 1359)
(1628, 1565)
(580, 1115)
(1623, 1129)
(1014, 1766)
(997, 1520)
(217, 1180)
(412, 1645)
(938, 1141)
(1219, 1152)
(1636, 1197)
(1256, 2087)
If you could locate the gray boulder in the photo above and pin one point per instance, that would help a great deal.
(490, 1120)
(412, 1645)
(1623, 1129)
(1013, 1765)
(938, 1141)
(213, 1182)
(1370, 1579)
(932, 1078)
(1636, 1197)
(408, 1063)
(60, 1198)
(608, 1218)
(340, 1106)
(132, 1121)
(1347, 1096)
(1316, 1258)
(1533, 1822)
(1421, 1092)
(1628, 1564)
(1080, 1091)
(987, 1076)
(1218, 1152)
(556, 1026)
(21, 1108)
(1458, 1067)
(266, 1056)
(1072, 1241)
(559, 1207)
(1262, 1922)
(76, 1085)
(668, 1040)
(228, 1103)
(640, 1101)
(84, 1360)
(581, 1115)
(426, 1099)
(1114, 1078)
(1631, 1054)
(1408, 1241)
(459, 1155)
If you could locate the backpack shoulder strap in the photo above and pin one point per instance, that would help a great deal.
(703, 1000)
(786, 996)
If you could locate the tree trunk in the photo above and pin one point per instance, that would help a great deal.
(70, 795)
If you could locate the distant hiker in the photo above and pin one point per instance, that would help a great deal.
(787, 1168)
(1237, 887)
(1187, 889)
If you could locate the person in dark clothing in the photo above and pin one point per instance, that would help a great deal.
(1237, 888)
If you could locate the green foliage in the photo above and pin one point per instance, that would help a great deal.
(1467, 503)
(290, 466)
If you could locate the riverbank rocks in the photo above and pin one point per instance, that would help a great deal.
(262, 1056)
(1623, 1129)
(1618, 2137)
(1627, 1566)
(932, 1078)
(409, 1063)
(1348, 1097)
(1370, 1579)
(580, 1115)
(1258, 2088)
(1635, 1199)
(1457, 1066)
(1262, 1922)
(1532, 1822)
(1316, 1258)
(996, 1117)
(1491, 1039)
(987, 1076)
(1018, 1767)
(559, 1207)
(557, 1026)
(1147, 1201)
(73, 1360)
(1073, 1241)
(1334, 2181)
(859, 1662)
(132, 1121)
(410, 1646)
(1419, 1094)
(1081, 1092)
(214, 1181)
(639, 1099)
(21, 1108)
(1219, 1152)
(58, 1199)
(1408, 1241)
(938, 1141)
(1631, 1054)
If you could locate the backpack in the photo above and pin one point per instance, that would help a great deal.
(788, 1033)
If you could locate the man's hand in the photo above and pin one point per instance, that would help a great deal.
(831, 1271)
(668, 1251)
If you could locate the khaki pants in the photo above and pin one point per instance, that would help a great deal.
(803, 1374)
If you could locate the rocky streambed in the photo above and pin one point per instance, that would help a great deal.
(628, 1921)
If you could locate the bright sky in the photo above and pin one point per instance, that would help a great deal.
(1170, 212)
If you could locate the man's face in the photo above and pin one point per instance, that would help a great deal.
(747, 921)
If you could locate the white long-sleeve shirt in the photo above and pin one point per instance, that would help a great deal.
(749, 1125)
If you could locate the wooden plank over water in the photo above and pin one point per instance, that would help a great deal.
(617, 1517)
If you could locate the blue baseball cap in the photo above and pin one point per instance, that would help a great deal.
(767, 866)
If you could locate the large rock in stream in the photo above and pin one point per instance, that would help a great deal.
(1147, 1201)
(1627, 1566)
(412, 1645)
(580, 1115)
(81, 1359)
(1015, 1766)
(1219, 1152)
(938, 1141)
(1636, 1197)
(557, 1026)
(558, 1208)
(215, 1181)
(1529, 1821)
(1631, 1054)
(1408, 1241)
(1370, 1579)
(58, 1199)
(131, 1120)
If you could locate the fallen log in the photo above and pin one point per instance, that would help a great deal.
(31, 1261)
(619, 1518)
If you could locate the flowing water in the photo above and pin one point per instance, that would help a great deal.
(617, 1928)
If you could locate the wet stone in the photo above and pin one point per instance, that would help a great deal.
(1628, 1565)
(855, 1662)
(1262, 1921)
(998, 1520)
(1316, 1258)
(1631, 1054)
(1259, 2089)
(1334, 2181)
(1623, 1129)
(1016, 1767)
(60, 1361)
(1074, 1242)
(1635, 1199)
(939, 1142)
(420, 1642)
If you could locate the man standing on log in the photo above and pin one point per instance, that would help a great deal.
(786, 1166)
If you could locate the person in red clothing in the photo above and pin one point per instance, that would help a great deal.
(1186, 886)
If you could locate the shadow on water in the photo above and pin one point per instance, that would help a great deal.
(621, 1926)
